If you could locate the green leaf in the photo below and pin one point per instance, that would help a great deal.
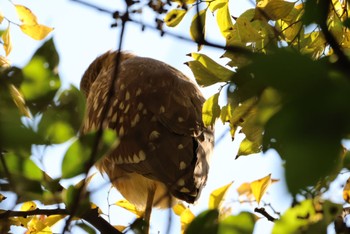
(211, 110)
(221, 73)
(77, 158)
(197, 28)
(243, 223)
(41, 80)
(295, 218)
(62, 120)
(248, 147)
(174, 17)
(205, 223)
(248, 32)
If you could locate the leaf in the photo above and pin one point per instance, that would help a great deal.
(203, 76)
(186, 218)
(6, 37)
(27, 206)
(179, 208)
(205, 223)
(37, 31)
(346, 191)
(216, 4)
(2, 197)
(248, 147)
(243, 223)
(274, 9)
(25, 15)
(1, 17)
(174, 17)
(260, 186)
(87, 228)
(245, 190)
(130, 207)
(19, 101)
(197, 28)
(222, 73)
(4, 62)
(217, 196)
(211, 110)
(224, 21)
(77, 157)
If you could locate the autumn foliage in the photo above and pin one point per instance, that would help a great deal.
(286, 86)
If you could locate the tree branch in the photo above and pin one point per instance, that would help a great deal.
(265, 214)
(91, 216)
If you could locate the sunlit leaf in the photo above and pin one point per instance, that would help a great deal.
(211, 110)
(203, 76)
(6, 38)
(179, 208)
(205, 223)
(4, 62)
(186, 218)
(1, 17)
(120, 228)
(2, 197)
(197, 28)
(216, 4)
(37, 31)
(221, 72)
(248, 147)
(174, 17)
(130, 207)
(274, 9)
(245, 190)
(243, 223)
(346, 191)
(260, 186)
(217, 196)
(224, 21)
(296, 217)
(26, 16)
(27, 206)
(247, 30)
(19, 101)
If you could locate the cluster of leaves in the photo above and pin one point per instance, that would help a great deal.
(288, 86)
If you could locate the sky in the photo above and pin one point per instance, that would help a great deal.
(81, 34)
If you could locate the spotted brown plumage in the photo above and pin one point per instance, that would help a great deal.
(157, 114)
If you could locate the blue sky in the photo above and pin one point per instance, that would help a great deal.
(81, 34)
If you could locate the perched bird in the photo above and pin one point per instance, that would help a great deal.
(156, 111)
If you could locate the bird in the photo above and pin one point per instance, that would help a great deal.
(164, 148)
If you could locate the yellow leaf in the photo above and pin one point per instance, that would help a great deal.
(2, 197)
(27, 206)
(224, 21)
(260, 186)
(186, 218)
(346, 191)
(245, 190)
(216, 4)
(4, 62)
(217, 196)
(130, 207)
(120, 228)
(197, 28)
(211, 110)
(37, 31)
(37, 226)
(52, 219)
(18, 99)
(25, 15)
(275, 9)
(174, 17)
(6, 37)
(1, 17)
(179, 208)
